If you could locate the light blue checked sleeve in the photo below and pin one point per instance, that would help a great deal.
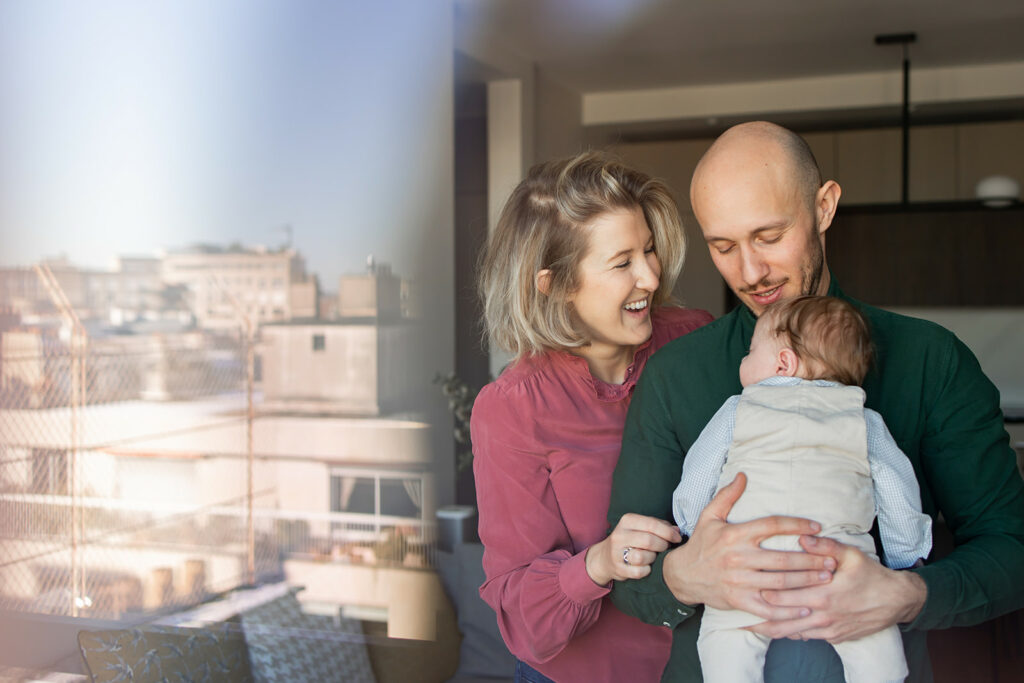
(906, 532)
(703, 466)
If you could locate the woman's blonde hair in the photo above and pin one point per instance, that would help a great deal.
(543, 226)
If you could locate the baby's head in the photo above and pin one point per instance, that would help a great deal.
(811, 337)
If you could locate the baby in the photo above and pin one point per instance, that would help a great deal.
(809, 448)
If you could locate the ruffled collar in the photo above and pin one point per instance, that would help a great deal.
(606, 391)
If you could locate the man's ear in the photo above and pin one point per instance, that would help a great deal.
(788, 363)
(543, 281)
(826, 201)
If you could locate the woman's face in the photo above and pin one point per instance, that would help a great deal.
(618, 276)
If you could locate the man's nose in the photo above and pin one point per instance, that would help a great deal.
(753, 267)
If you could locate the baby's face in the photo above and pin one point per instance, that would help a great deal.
(762, 361)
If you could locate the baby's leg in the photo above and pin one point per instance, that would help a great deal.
(877, 658)
(728, 653)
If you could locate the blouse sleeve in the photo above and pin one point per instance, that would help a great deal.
(535, 581)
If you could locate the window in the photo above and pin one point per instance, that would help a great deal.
(319, 343)
(49, 471)
(353, 494)
(394, 495)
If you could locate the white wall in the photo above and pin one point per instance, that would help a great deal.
(995, 335)
(294, 455)
(343, 373)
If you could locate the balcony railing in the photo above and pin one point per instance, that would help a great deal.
(138, 557)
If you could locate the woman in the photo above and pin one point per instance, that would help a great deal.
(573, 280)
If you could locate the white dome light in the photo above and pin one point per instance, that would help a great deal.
(997, 191)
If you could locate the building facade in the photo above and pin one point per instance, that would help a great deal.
(228, 285)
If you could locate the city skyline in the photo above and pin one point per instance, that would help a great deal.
(111, 262)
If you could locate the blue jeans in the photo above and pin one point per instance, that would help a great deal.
(527, 674)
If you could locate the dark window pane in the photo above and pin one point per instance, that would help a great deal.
(400, 497)
(352, 494)
(49, 471)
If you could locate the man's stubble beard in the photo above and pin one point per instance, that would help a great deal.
(814, 268)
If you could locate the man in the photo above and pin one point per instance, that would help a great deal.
(764, 213)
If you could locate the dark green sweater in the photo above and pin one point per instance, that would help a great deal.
(941, 410)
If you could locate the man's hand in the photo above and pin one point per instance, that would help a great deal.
(863, 597)
(724, 566)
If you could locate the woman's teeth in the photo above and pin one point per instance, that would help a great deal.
(636, 305)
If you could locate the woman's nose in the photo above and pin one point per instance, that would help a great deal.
(648, 277)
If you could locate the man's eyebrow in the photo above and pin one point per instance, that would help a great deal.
(755, 231)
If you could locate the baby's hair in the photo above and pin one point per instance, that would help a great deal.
(829, 336)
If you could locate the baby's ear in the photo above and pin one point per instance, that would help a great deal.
(788, 363)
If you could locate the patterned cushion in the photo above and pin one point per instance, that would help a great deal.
(157, 654)
(287, 644)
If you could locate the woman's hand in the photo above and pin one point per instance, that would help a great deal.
(636, 538)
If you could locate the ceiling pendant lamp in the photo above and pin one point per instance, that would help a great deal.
(903, 39)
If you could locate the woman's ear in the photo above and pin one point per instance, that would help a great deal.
(788, 363)
(543, 281)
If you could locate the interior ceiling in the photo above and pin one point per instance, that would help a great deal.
(600, 45)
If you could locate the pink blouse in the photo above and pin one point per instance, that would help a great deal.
(546, 437)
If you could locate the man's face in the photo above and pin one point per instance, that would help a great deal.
(763, 236)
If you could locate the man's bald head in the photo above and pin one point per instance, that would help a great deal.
(761, 139)
(763, 211)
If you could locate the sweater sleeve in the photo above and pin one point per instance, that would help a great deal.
(536, 582)
(649, 468)
(972, 474)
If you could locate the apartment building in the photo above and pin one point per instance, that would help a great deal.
(227, 285)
